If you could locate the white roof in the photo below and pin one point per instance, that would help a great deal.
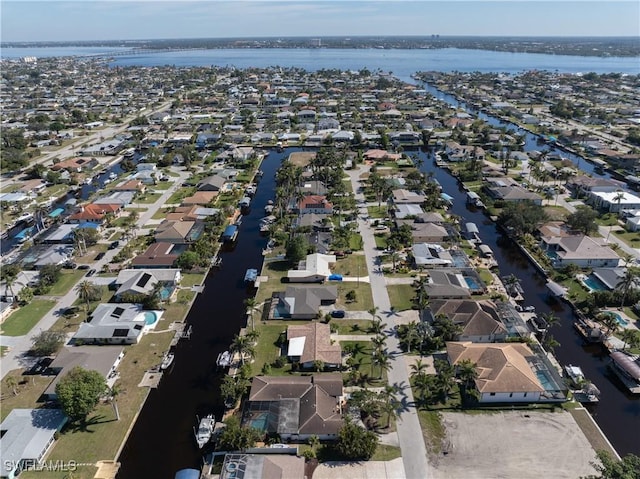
(611, 197)
(28, 433)
(296, 346)
(315, 263)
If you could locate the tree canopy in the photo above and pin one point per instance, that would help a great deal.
(234, 437)
(610, 468)
(522, 217)
(79, 392)
(356, 443)
(47, 343)
(583, 220)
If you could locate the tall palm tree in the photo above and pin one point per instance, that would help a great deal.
(551, 320)
(423, 384)
(9, 275)
(445, 378)
(243, 347)
(86, 292)
(12, 383)
(252, 307)
(114, 392)
(468, 373)
(390, 403)
(418, 367)
(631, 338)
(374, 313)
(378, 342)
(377, 326)
(610, 322)
(382, 359)
(629, 280)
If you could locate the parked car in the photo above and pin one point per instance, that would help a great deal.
(91, 272)
(338, 313)
(84, 266)
(114, 245)
(99, 256)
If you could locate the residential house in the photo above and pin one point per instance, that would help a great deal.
(427, 232)
(582, 251)
(317, 204)
(26, 436)
(143, 282)
(381, 155)
(297, 407)
(313, 269)
(53, 255)
(457, 152)
(512, 193)
(427, 255)
(255, 464)
(315, 222)
(136, 185)
(311, 342)
(122, 198)
(177, 232)
(582, 184)
(613, 201)
(103, 359)
(76, 165)
(480, 321)
(505, 372)
(212, 183)
(95, 213)
(405, 210)
(157, 255)
(444, 284)
(403, 196)
(301, 302)
(200, 198)
(116, 323)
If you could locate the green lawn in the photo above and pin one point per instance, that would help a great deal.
(68, 279)
(386, 453)
(433, 431)
(148, 198)
(381, 241)
(364, 298)
(178, 310)
(608, 219)
(266, 349)
(363, 360)
(632, 238)
(400, 296)
(378, 211)
(355, 242)
(180, 194)
(275, 271)
(352, 326)
(161, 213)
(191, 279)
(351, 265)
(163, 185)
(485, 276)
(26, 317)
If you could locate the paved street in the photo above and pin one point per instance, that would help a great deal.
(19, 345)
(414, 453)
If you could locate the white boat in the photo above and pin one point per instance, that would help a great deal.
(166, 361)
(224, 359)
(575, 374)
(112, 176)
(88, 181)
(205, 430)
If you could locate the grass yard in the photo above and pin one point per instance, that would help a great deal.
(364, 298)
(400, 296)
(161, 213)
(362, 355)
(275, 271)
(92, 251)
(148, 198)
(351, 265)
(162, 185)
(381, 241)
(485, 276)
(632, 238)
(355, 242)
(266, 349)
(608, 219)
(433, 430)
(68, 279)
(21, 321)
(378, 211)
(182, 193)
(29, 390)
(352, 326)
(386, 453)
(178, 310)
(191, 279)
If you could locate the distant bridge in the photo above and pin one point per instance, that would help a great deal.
(139, 51)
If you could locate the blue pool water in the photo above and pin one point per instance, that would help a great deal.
(165, 293)
(552, 254)
(150, 317)
(594, 284)
(472, 283)
(260, 421)
(621, 321)
(544, 381)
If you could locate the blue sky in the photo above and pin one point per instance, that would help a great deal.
(54, 20)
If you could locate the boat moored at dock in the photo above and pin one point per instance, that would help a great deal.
(206, 426)
(627, 368)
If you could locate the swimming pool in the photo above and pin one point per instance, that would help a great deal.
(544, 381)
(472, 283)
(594, 284)
(259, 421)
(621, 321)
(166, 292)
(150, 318)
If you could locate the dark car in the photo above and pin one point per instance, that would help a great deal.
(91, 272)
(338, 313)
(99, 256)
(84, 266)
(114, 245)
(40, 367)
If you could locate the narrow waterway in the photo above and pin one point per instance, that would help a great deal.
(162, 440)
(618, 413)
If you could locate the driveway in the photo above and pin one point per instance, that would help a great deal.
(362, 470)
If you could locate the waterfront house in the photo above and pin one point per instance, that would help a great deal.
(428, 233)
(613, 201)
(317, 204)
(479, 321)
(426, 255)
(200, 198)
(301, 302)
(505, 372)
(122, 198)
(55, 254)
(314, 269)
(381, 155)
(404, 196)
(405, 210)
(444, 284)
(116, 323)
(103, 359)
(512, 193)
(177, 232)
(580, 250)
(95, 213)
(296, 407)
(212, 183)
(261, 463)
(157, 255)
(75, 165)
(582, 184)
(141, 282)
(26, 436)
(311, 342)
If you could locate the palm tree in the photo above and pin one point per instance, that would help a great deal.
(114, 392)
(377, 326)
(252, 307)
(390, 403)
(314, 442)
(86, 292)
(243, 347)
(12, 383)
(9, 275)
(550, 343)
(374, 313)
(395, 257)
(551, 320)
(631, 338)
(418, 367)
(445, 377)
(618, 198)
(629, 280)
(382, 359)
(610, 322)
(378, 342)
(423, 384)
(468, 373)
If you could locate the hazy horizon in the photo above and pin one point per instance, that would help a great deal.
(126, 20)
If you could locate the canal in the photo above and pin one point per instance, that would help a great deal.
(618, 413)
(162, 440)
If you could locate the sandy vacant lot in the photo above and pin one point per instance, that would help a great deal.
(514, 444)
